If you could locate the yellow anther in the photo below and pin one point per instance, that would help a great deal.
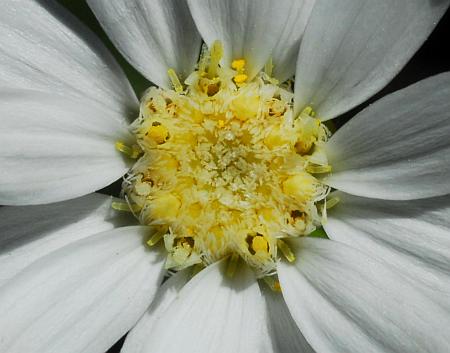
(216, 56)
(221, 123)
(286, 250)
(158, 133)
(132, 152)
(232, 265)
(318, 169)
(240, 78)
(177, 86)
(259, 244)
(332, 202)
(238, 65)
(125, 207)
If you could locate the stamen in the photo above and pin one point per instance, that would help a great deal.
(286, 250)
(238, 65)
(177, 86)
(132, 152)
(240, 78)
(259, 243)
(158, 133)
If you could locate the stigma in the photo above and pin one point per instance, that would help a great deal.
(225, 168)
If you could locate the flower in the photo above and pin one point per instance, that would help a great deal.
(75, 275)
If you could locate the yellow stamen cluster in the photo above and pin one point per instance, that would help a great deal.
(227, 170)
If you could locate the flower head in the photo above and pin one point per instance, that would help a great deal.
(228, 167)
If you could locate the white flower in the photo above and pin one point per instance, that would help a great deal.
(76, 275)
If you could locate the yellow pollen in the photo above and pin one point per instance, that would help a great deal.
(238, 65)
(158, 133)
(226, 169)
(240, 78)
(259, 244)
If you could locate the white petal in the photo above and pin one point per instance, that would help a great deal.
(284, 334)
(247, 29)
(212, 314)
(285, 53)
(31, 232)
(81, 298)
(137, 339)
(55, 148)
(353, 48)
(344, 301)
(43, 47)
(412, 237)
(398, 148)
(154, 35)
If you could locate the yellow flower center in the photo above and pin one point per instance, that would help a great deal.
(226, 169)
